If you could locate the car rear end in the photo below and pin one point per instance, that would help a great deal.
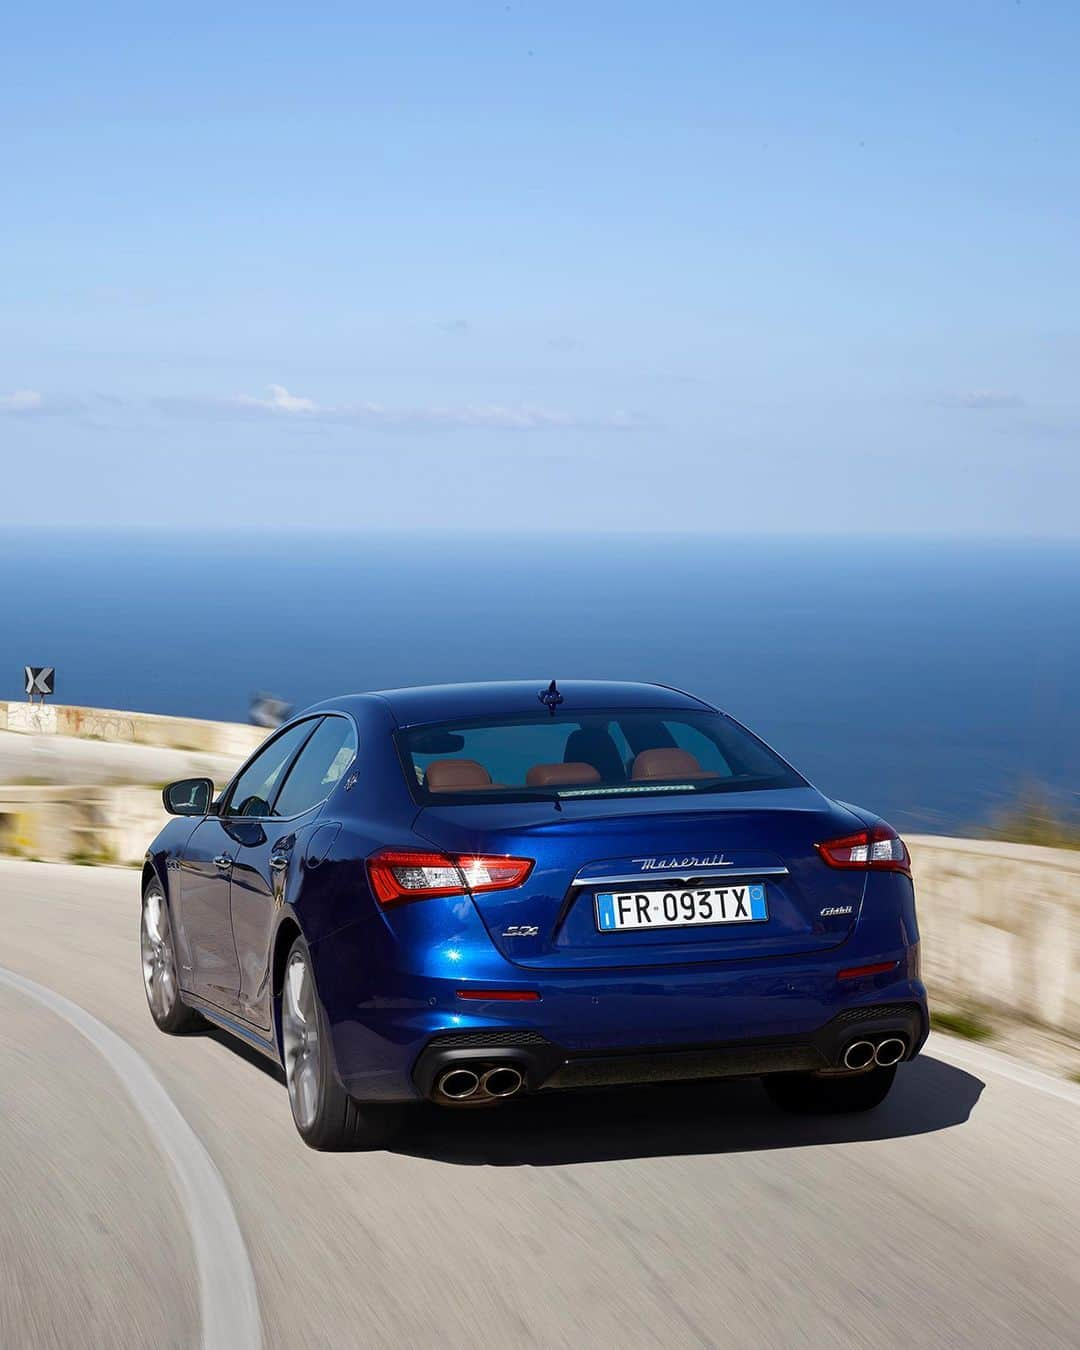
(612, 896)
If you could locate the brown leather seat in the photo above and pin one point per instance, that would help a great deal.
(557, 775)
(457, 775)
(667, 763)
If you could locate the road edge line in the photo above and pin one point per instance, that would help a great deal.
(228, 1302)
(988, 1060)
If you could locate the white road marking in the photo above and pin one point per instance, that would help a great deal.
(985, 1060)
(228, 1303)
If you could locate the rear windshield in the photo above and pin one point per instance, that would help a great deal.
(627, 752)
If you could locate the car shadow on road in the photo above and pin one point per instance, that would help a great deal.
(244, 1051)
(715, 1117)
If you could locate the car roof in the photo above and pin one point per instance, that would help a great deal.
(501, 698)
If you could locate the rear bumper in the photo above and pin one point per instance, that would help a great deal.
(596, 1027)
(546, 1066)
(390, 989)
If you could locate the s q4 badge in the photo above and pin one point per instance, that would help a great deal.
(521, 930)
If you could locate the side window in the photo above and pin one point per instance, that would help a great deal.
(254, 789)
(321, 764)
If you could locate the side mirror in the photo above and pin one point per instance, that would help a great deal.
(188, 797)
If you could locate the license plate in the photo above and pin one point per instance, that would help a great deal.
(617, 910)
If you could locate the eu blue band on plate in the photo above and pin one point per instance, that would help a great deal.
(605, 910)
(757, 902)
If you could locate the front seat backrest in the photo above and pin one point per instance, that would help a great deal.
(556, 775)
(456, 775)
(667, 763)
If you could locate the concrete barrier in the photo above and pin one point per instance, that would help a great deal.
(107, 724)
(92, 823)
(1001, 927)
(107, 821)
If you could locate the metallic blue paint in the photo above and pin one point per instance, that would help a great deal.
(389, 979)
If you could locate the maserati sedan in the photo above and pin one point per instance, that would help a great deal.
(464, 893)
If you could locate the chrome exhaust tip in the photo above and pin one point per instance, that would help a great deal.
(458, 1084)
(859, 1055)
(890, 1051)
(502, 1081)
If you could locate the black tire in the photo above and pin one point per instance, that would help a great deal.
(161, 981)
(806, 1094)
(326, 1117)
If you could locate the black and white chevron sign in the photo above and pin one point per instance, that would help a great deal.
(40, 680)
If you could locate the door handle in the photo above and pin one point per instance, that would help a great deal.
(279, 862)
(223, 862)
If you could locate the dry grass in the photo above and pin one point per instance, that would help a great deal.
(1035, 818)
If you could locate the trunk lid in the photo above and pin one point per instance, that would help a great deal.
(722, 839)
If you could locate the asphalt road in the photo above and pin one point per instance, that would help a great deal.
(673, 1216)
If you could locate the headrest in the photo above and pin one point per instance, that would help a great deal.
(456, 775)
(555, 775)
(667, 763)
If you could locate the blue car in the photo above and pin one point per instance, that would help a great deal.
(464, 893)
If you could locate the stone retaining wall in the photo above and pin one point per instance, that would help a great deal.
(90, 823)
(1001, 927)
(107, 724)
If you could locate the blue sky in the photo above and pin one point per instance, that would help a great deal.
(790, 267)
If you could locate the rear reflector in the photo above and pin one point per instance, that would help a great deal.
(880, 850)
(501, 995)
(857, 972)
(398, 874)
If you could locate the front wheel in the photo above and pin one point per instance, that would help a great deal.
(807, 1094)
(324, 1113)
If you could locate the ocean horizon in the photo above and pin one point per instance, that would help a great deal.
(932, 680)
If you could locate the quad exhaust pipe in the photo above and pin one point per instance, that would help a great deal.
(890, 1051)
(861, 1054)
(459, 1084)
(503, 1081)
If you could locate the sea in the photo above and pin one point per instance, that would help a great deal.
(934, 681)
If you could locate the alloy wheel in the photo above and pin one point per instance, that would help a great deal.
(300, 1036)
(158, 960)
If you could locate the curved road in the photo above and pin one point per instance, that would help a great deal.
(692, 1216)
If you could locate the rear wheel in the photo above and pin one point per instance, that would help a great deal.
(324, 1113)
(159, 965)
(810, 1094)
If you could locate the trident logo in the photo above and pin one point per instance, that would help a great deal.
(550, 697)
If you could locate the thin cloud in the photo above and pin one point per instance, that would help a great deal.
(32, 403)
(280, 400)
(22, 401)
(279, 403)
(982, 399)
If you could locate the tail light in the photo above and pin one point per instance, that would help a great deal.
(410, 874)
(880, 849)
